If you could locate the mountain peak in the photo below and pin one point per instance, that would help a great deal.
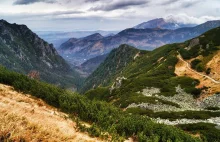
(2, 20)
(95, 36)
(168, 23)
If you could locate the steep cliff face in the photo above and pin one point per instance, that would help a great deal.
(23, 51)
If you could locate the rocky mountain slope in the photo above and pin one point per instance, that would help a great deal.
(174, 82)
(113, 64)
(147, 39)
(162, 24)
(23, 51)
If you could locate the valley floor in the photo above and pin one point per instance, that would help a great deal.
(23, 117)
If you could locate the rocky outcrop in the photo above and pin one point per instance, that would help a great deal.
(193, 43)
(117, 84)
(214, 120)
(183, 99)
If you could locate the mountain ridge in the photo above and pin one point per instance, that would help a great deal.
(147, 39)
(154, 83)
(23, 51)
(162, 24)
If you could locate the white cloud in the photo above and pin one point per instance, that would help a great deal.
(120, 13)
(186, 19)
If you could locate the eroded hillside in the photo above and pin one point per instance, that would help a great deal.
(23, 117)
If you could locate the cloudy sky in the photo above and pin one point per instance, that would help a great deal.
(71, 15)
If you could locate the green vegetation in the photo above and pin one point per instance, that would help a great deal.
(208, 71)
(102, 116)
(207, 132)
(207, 45)
(100, 93)
(139, 98)
(107, 72)
(23, 51)
(213, 108)
(152, 69)
(174, 115)
(195, 64)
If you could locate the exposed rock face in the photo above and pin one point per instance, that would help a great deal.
(22, 50)
(184, 100)
(194, 42)
(214, 120)
(151, 91)
(117, 83)
(212, 101)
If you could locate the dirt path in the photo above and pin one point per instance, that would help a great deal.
(203, 75)
(183, 68)
(21, 116)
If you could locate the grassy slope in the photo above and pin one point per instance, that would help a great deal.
(26, 118)
(103, 116)
(153, 69)
(156, 69)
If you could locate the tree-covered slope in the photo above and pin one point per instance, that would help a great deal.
(151, 85)
(106, 121)
(23, 51)
(116, 61)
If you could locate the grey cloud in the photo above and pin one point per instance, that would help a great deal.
(169, 2)
(119, 5)
(65, 12)
(50, 15)
(92, 0)
(190, 3)
(26, 2)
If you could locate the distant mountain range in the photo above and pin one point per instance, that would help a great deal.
(23, 51)
(57, 38)
(91, 65)
(168, 79)
(148, 39)
(162, 24)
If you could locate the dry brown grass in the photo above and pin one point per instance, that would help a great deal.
(214, 64)
(181, 69)
(25, 118)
